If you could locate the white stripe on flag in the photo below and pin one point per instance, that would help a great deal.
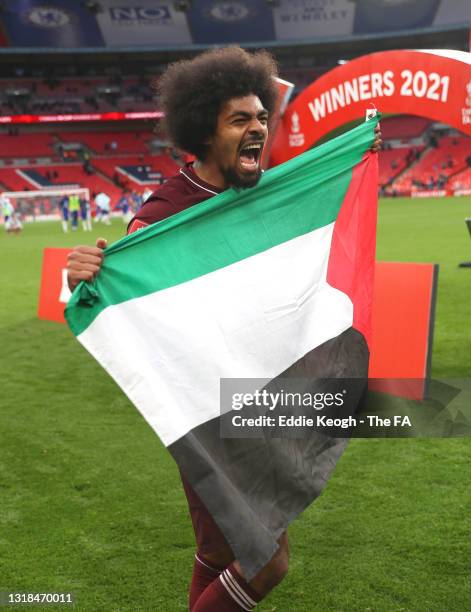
(253, 319)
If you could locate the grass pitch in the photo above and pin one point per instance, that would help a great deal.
(91, 501)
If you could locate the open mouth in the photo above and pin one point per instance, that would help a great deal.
(249, 156)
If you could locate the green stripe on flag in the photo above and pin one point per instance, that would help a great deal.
(291, 200)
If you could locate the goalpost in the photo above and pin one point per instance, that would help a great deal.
(43, 204)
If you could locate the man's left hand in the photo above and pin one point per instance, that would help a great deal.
(377, 141)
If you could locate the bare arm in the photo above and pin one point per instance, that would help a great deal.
(84, 263)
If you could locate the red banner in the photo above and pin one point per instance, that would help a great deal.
(285, 89)
(433, 84)
(54, 292)
(114, 116)
(403, 321)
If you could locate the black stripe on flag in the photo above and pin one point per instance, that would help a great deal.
(254, 488)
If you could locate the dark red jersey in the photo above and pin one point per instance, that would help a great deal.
(183, 190)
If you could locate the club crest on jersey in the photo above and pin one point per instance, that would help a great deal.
(136, 225)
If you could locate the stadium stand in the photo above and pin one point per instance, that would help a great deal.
(26, 146)
(158, 163)
(11, 180)
(108, 142)
(403, 127)
(25, 178)
(445, 157)
(110, 160)
(124, 160)
(393, 161)
(74, 174)
(301, 77)
(75, 95)
(461, 180)
(133, 173)
(107, 172)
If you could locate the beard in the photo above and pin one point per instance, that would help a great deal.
(241, 182)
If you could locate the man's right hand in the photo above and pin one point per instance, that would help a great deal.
(84, 263)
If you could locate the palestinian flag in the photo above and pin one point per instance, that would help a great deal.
(265, 282)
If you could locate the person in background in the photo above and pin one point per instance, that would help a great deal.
(136, 200)
(11, 219)
(7, 208)
(14, 225)
(85, 214)
(102, 202)
(64, 211)
(74, 208)
(124, 205)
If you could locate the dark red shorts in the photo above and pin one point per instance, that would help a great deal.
(209, 538)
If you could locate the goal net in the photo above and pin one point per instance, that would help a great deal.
(42, 205)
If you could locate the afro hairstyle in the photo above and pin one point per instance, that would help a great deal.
(192, 92)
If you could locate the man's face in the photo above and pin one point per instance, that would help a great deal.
(236, 147)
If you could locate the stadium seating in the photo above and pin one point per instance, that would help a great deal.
(73, 173)
(27, 145)
(123, 159)
(101, 142)
(109, 165)
(67, 174)
(24, 166)
(436, 165)
(158, 163)
(74, 94)
(11, 180)
(393, 161)
(57, 87)
(462, 180)
(301, 77)
(403, 127)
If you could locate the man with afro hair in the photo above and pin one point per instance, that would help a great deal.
(217, 108)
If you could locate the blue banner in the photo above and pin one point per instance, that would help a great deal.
(374, 16)
(51, 23)
(231, 21)
(453, 12)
